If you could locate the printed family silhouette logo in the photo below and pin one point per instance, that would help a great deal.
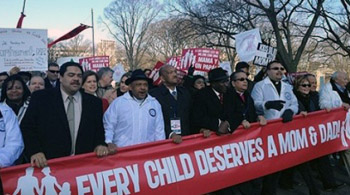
(28, 184)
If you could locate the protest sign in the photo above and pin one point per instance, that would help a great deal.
(94, 63)
(247, 44)
(163, 167)
(226, 65)
(175, 62)
(264, 55)
(203, 59)
(24, 48)
(155, 73)
(118, 72)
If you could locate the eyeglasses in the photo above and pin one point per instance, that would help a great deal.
(306, 85)
(277, 68)
(53, 71)
(241, 79)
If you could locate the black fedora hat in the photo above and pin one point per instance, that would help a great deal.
(138, 74)
(217, 74)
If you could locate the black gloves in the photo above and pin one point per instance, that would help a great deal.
(277, 104)
(191, 70)
(287, 115)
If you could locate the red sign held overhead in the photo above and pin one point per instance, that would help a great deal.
(94, 63)
(203, 59)
(155, 73)
(175, 62)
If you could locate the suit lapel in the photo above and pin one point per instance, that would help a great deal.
(213, 96)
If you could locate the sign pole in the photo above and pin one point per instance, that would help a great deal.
(93, 32)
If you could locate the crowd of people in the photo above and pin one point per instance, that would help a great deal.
(72, 112)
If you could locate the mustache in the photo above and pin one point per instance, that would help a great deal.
(75, 83)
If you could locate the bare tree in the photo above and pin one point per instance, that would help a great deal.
(128, 22)
(76, 46)
(216, 22)
(336, 27)
(293, 23)
(169, 36)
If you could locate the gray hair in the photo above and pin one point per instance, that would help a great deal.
(162, 69)
(336, 74)
(103, 71)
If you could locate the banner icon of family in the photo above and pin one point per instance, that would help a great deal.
(29, 184)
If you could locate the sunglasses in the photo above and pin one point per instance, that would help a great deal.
(241, 79)
(277, 68)
(306, 85)
(53, 71)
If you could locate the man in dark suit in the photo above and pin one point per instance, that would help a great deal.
(207, 113)
(239, 106)
(51, 80)
(63, 121)
(175, 101)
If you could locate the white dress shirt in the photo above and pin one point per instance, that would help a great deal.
(77, 109)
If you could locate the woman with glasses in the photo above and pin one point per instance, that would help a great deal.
(302, 92)
(302, 89)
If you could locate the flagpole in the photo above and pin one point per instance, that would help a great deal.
(24, 5)
(93, 33)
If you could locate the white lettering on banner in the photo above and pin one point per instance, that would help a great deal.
(219, 158)
(330, 132)
(105, 180)
(164, 171)
(271, 147)
(313, 135)
(292, 141)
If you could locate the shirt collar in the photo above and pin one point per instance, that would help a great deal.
(171, 91)
(339, 87)
(217, 93)
(76, 96)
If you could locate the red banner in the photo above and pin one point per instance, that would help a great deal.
(70, 34)
(164, 167)
(203, 59)
(94, 63)
(20, 20)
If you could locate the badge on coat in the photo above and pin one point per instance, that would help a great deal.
(175, 125)
(152, 112)
(288, 96)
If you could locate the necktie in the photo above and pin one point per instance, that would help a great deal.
(70, 117)
(174, 94)
(242, 97)
(221, 97)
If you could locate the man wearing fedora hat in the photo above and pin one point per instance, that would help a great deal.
(208, 103)
(135, 117)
